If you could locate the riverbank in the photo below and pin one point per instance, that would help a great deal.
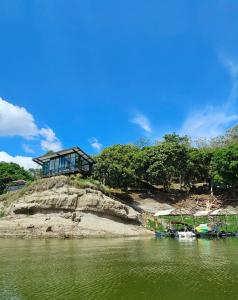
(58, 226)
(58, 208)
(69, 207)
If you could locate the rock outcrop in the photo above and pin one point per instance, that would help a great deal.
(62, 210)
(72, 199)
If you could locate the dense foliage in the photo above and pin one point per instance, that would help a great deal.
(225, 165)
(173, 160)
(114, 166)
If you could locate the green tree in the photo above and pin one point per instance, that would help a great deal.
(230, 137)
(168, 160)
(10, 172)
(114, 166)
(176, 139)
(141, 163)
(199, 165)
(144, 142)
(36, 173)
(225, 166)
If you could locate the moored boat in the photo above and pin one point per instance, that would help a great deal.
(185, 234)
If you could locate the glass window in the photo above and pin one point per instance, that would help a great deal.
(84, 165)
(62, 163)
(72, 161)
(76, 160)
(67, 161)
(45, 168)
(56, 166)
(52, 165)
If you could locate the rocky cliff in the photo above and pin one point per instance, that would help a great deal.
(57, 207)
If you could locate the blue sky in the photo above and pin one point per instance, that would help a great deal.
(96, 73)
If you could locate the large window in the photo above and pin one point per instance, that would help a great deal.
(65, 164)
(84, 164)
(45, 167)
(56, 167)
(52, 165)
(72, 161)
(62, 163)
(77, 161)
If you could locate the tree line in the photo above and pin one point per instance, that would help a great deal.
(174, 159)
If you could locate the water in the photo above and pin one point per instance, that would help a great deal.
(119, 269)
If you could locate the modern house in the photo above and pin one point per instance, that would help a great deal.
(64, 162)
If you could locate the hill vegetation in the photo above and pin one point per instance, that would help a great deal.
(10, 172)
(173, 160)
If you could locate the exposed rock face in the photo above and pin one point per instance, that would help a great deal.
(56, 226)
(64, 211)
(72, 199)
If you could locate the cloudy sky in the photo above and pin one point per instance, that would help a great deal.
(94, 73)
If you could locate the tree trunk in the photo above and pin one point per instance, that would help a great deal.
(211, 186)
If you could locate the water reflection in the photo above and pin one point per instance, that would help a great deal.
(118, 269)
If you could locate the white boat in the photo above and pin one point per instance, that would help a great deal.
(185, 234)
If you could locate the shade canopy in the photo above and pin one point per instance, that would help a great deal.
(181, 212)
(201, 213)
(163, 212)
(224, 212)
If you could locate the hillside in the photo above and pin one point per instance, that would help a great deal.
(67, 207)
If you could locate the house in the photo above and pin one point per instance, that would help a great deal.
(64, 162)
(16, 185)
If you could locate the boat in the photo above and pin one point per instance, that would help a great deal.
(183, 230)
(161, 234)
(185, 235)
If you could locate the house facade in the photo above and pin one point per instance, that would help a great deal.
(68, 161)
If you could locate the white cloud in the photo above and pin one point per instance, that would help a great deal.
(23, 161)
(50, 141)
(142, 121)
(231, 66)
(17, 121)
(208, 123)
(212, 121)
(95, 143)
(27, 148)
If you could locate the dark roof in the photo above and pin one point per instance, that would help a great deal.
(40, 160)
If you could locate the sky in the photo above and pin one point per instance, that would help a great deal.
(96, 73)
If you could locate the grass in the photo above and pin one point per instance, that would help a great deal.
(155, 225)
(82, 183)
(45, 184)
(11, 197)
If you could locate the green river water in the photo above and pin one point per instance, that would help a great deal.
(119, 269)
